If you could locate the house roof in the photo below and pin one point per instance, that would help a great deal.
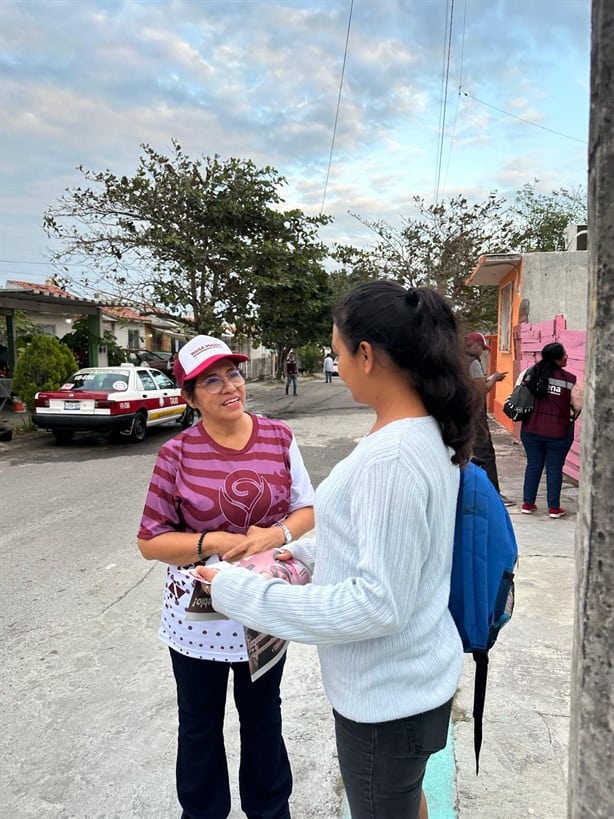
(123, 313)
(36, 300)
(46, 289)
(49, 298)
(492, 267)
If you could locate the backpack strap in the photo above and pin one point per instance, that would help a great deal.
(479, 697)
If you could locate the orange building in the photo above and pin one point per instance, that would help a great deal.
(541, 295)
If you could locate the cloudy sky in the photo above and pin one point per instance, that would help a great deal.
(87, 81)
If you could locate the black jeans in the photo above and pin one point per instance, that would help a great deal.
(484, 450)
(383, 763)
(265, 779)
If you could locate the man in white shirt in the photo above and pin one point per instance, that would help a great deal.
(328, 368)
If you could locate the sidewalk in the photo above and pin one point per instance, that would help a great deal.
(15, 422)
(523, 763)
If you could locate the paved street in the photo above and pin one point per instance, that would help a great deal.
(89, 728)
(87, 691)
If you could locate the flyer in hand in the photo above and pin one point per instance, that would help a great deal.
(263, 650)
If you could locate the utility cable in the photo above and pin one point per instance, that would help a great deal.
(458, 97)
(332, 144)
(526, 121)
(445, 100)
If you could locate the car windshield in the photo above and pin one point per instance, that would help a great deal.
(95, 380)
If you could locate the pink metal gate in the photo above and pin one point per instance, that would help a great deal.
(529, 340)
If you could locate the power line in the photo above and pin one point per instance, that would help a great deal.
(332, 144)
(22, 261)
(521, 119)
(444, 104)
(460, 82)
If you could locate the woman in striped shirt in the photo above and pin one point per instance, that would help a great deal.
(232, 485)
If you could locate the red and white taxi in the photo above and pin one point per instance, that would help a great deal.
(125, 399)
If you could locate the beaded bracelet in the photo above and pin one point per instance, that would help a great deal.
(199, 545)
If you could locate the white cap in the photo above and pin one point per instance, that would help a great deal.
(200, 353)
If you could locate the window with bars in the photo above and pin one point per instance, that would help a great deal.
(505, 319)
(134, 340)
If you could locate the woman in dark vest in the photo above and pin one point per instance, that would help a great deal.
(547, 434)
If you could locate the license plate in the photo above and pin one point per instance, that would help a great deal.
(72, 405)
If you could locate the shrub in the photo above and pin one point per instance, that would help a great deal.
(45, 364)
(310, 358)
(80, 339)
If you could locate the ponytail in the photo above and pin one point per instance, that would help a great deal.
(537, 378)
(417, 329)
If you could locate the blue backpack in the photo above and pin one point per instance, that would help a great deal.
(482, 584)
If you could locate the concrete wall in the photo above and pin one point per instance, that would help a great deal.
(591, 753)
(261, 364)
(120, 331)
(555, 284)
(62, 327)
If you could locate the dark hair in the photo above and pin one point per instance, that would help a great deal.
(418, 331)
(189, 388)
(537, 378)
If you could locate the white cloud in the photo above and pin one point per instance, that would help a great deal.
(89, 82)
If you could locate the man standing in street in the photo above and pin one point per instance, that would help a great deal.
(483, 448)
(328, 368)
(291, 373)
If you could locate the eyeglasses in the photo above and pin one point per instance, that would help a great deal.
(215, 383)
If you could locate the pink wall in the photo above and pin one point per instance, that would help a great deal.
(529, 339)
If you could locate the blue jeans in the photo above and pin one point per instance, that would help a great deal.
(549, 452)
(383, 763)
(291, 380)
(265, 779)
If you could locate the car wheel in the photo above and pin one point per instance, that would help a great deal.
(63, 436)
(139, 428)
(187, 419)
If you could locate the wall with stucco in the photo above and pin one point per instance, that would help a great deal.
(556, 284)
(120, 331)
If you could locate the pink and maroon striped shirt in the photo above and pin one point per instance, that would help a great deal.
(198, 485)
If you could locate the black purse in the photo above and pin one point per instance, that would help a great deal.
(519, 405)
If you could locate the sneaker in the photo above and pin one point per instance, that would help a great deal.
(556, 513)
(507, 501)
(528, 508)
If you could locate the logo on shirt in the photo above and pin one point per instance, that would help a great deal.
(245, 498)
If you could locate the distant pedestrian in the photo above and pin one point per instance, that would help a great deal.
(291, 373)
(328, 367)
(377, 608)
(547, 434)
(171, 367)
(483, 448)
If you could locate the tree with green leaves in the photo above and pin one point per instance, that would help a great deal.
(45, 364)
(440, 248)
(291, 287)
(541, 219)
(355, 265)
(188, 235)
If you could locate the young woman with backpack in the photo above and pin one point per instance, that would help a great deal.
(377, 608)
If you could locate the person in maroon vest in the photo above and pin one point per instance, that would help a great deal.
(547, 433)
(291, 373)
